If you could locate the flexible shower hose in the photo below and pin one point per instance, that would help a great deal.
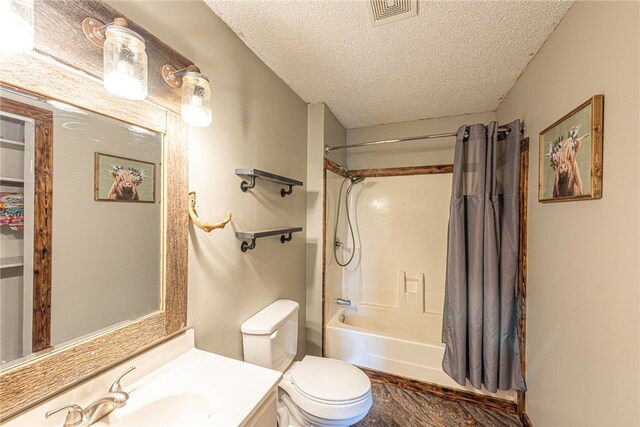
(335, 230)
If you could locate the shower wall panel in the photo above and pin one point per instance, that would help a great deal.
(401, 243)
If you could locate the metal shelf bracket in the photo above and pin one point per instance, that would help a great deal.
(252, 174)
(244, 185)
(250, 237)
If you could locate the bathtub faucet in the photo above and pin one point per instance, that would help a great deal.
(343, 301)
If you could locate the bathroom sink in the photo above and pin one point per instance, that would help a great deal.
(174, 384)
(173, 409)
(197, 388)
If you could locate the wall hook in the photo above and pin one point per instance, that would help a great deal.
(207, 227)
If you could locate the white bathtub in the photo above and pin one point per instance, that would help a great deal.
(357, 340)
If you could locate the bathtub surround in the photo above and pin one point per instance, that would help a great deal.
(363, 343)
(396, 283)
(348, 256)
(583, 344)
(331, 281)
(482, 260)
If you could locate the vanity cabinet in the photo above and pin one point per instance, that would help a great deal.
(16, 233)
(266, 414)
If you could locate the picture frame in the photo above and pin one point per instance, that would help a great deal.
(121, 179)
(570, 161)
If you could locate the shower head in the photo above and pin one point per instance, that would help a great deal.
(353, 179)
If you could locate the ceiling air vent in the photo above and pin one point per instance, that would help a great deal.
(385, 11)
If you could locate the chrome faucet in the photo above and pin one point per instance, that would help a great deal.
(104, 406)
(114, 399)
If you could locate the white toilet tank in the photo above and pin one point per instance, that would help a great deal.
(270, 337)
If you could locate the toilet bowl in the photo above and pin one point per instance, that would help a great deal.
(316, 391)
(326, 392)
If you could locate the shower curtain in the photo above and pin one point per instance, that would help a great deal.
(479, 325)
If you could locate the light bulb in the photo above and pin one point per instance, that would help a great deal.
(122, 82)
(196, 100)
(125, 63)
(16, 25)
(196, 115)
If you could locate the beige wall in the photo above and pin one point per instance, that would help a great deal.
(413, 153)
(323, 129)
(583, 291)
(258, 122)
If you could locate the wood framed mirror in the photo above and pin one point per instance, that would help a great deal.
(79, 85)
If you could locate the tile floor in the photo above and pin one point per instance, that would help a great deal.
(395, 406)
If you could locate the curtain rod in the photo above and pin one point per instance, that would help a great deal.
(328, 149)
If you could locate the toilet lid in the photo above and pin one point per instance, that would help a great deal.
(330, 379)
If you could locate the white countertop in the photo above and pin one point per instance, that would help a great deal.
(173, 384)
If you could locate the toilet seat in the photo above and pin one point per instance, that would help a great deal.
(328, 389)
(330, 380)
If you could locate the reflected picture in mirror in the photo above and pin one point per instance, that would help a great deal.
(119, 179)
(99, 264)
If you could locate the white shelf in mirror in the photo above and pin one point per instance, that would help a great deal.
(11, 261)
(10, 179)
(4, 141)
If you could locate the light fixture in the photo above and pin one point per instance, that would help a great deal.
(124, 58)
(196, 93)
(16, 25)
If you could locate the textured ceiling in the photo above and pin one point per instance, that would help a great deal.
(455, 57)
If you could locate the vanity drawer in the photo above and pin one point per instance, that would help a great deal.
(266, 414)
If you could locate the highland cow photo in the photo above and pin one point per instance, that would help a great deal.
(118, 179)
(571, 155)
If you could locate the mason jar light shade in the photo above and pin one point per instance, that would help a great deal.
(16, 25)
(125, 63)
(196, 99)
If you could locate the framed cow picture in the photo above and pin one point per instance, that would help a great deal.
(119, 179)
(570, 163)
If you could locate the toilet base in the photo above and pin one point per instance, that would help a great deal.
(290, 415)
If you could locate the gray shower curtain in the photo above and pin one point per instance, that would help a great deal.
(479, 327)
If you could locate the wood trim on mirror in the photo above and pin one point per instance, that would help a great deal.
(177, 224)
(37, 379)
(42, 207)
(51, 81)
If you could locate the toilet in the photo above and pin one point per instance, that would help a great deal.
(316, 391)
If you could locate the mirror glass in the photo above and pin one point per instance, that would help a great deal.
(106, 225)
